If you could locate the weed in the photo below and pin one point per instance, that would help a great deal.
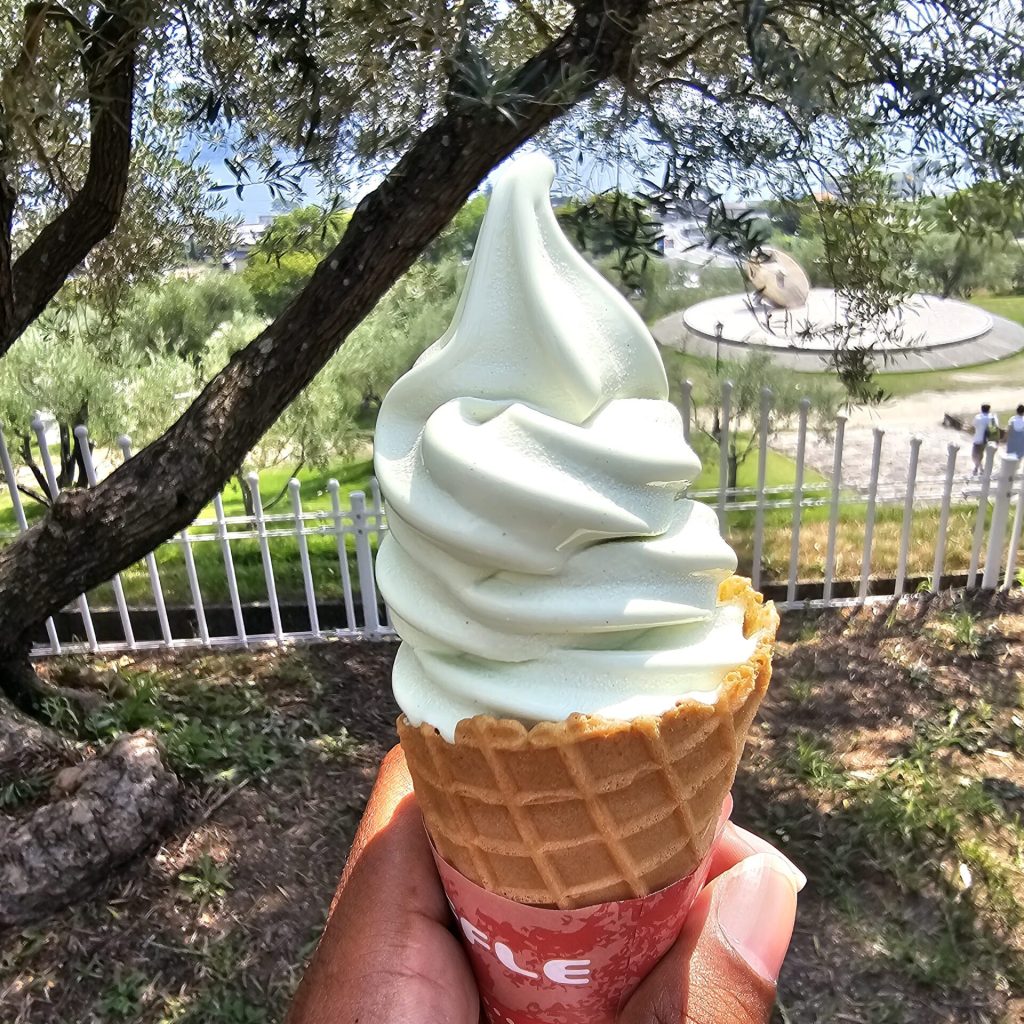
(123, 997)
(213, 732)
(205, 881)
(60, 713)
(808, 629)
(967, 635)
(20, 791)
(812, 762)
(969, 731)
(335, 746)
(919, 674)
(800, 691)
(893, 616)
(225, 1006)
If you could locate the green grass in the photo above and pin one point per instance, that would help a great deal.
(214, 734)
(916, 826)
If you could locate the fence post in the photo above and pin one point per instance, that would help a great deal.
(723, 452)
(253, 482)
(940, 540)
(833, 515)
(364, 563)
(378, 519)
(762, 469)
(979, 519)
(229, 568)
(908, 516)
(869, 515)
(339, 533)
(51, 484)
(82, 433)
(124, 442)
(1018, 524)
(193, 585)
(307, 572)
(686, 403)
(19, 518)
(1000, 516)
(798, 497)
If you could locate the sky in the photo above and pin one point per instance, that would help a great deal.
(256, 200)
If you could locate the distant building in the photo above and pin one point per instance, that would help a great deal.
(683, 227)
(247, 237)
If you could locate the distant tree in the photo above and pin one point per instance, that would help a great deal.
(283, 261)
(273, 283)
(458, 238)
(952, 264)
(179, 315)
(114, 387)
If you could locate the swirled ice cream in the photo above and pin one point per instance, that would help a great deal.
(541, 558)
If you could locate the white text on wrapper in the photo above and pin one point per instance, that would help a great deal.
(560, 972)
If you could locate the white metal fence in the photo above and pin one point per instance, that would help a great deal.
(306, 573)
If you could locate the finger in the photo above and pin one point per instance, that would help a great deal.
(390, 867)
(723, 967)
(736, 844)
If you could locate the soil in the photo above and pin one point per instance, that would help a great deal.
(855, 686)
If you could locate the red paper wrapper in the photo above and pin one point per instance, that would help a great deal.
(536, 966)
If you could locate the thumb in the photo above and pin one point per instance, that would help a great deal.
(724, 965)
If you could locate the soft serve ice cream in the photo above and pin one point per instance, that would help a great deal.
(542, 559)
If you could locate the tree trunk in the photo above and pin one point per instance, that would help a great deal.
(26, 747)
(88, 535)
(66, 475)
(111, 808)
(243, 488)
(29, 460)
(27, 286)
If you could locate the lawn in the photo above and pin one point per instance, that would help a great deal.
(886, 762)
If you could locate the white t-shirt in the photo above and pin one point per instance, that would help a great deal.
(1016, 423)
(981, 426)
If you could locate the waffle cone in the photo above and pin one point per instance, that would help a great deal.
(589, 810)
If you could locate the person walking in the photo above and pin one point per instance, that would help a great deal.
(1015, 434)
(984, 422)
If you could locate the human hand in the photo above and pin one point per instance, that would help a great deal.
(388, 954)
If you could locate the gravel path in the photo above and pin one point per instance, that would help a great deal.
(902, 419)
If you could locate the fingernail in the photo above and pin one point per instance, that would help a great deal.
(755, 909)
(755, 844)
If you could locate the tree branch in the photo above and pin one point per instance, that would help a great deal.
(89, 534)
(108, 58)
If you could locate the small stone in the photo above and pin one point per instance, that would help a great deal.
(68, 779)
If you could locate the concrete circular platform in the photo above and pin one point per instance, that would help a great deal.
(938, 334)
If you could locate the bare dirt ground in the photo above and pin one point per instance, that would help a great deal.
(888, 761)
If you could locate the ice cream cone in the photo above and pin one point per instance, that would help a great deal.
(589, 810)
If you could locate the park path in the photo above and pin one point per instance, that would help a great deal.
(917, 415)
